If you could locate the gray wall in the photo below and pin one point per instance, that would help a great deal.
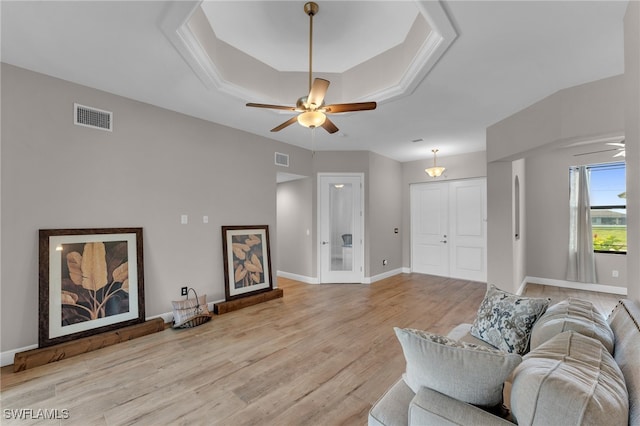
(632, 134)
(548, 215)
(385, 214)
(295, 228)
(537, 133)
(155, 166)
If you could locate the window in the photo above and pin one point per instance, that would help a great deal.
(607, 195)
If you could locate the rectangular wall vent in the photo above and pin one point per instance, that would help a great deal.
(282, 159)
(92, 117)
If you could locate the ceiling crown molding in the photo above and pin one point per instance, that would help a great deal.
(223, 67)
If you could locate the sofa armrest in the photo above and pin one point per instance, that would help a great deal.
(434, 408)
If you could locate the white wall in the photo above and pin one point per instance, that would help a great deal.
(155, 166)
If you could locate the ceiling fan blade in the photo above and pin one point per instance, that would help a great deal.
(317, 92)
(329, 126)
(358, 106)
(287, 123)
(288, 108)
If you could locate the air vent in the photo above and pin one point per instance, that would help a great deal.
(92, 117)
(282, 159)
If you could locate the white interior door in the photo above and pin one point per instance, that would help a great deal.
(468, 227)
(340, 232)
(449, 229)
(430, 228)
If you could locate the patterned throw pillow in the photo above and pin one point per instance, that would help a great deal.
(461, 370)
(505, 320)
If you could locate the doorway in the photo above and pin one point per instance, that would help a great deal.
(449, 229)
(340, 228)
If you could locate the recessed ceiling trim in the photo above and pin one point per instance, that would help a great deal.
(190, 33)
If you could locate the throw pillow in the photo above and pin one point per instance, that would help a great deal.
(571, 379)
(505, 320)
(464, 371)
(573, 314)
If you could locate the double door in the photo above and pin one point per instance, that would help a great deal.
(449, 229)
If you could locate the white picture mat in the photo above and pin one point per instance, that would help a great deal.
(56, 329)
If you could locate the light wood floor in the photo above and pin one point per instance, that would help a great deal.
(322, 355)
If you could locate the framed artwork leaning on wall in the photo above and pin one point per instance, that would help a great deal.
(90, 281)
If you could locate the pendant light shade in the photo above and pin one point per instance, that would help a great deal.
(434, 171)
(312, 119)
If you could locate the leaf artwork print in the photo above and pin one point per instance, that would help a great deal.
(247, 260)
(95, 281)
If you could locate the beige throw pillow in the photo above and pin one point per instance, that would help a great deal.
(464, 371)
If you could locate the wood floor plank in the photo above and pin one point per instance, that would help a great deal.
(322, 355)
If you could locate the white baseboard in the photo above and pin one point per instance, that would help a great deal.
(382, 276)
(301, 278)
(313, 280)
(577, 286)
(6, 358)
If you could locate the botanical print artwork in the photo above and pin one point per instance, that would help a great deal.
(247, 260)
(95, 280)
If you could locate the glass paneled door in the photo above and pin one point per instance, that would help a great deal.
(340, 233)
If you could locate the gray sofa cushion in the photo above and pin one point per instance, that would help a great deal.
(392, 407)
(572, 314)
(505, 320)
(429, 407)
(570, 379)
(625, 323)
(470, 373)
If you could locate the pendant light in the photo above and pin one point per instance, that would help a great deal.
(434, 171)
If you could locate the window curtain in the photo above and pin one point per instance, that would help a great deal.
(581, 265)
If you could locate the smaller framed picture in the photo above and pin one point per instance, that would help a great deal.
(247, 260)
(91, 281)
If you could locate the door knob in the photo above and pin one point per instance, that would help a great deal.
(324, 243)
(443, 241)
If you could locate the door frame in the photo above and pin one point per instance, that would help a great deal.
(359, 219)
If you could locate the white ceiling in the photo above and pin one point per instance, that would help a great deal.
(507, 55)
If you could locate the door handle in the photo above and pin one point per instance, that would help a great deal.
(324, 243)
(443, 241)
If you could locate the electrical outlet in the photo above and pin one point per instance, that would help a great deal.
(183, 291)
(614, 273)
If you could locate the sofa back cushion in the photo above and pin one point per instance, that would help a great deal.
(625, 323)
(464, 371)
(572, 314)
(571, 379)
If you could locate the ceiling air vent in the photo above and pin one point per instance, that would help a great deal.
(92, 117)
(282, 159)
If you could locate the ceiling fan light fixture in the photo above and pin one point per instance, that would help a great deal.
(312, 119)
(435, 171)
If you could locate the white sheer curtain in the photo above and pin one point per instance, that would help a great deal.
(581, 265)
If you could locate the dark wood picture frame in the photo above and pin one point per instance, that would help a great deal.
(90, 281)
(247, 260)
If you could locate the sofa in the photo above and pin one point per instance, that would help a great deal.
(577, 367)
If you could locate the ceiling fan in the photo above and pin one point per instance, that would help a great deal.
(311, 107)
(621, 149)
